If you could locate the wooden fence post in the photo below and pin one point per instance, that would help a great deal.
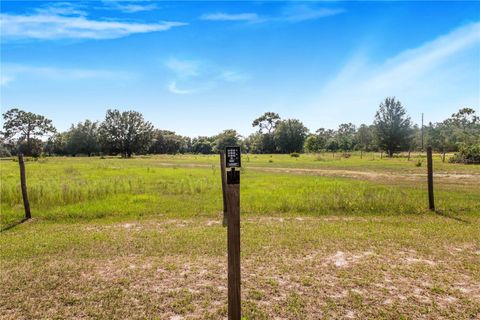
(233, 161)
(224, 188)
(233, 237)
(431, 201)
(23, 184)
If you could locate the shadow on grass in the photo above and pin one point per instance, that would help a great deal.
(449, 216)
(13, 225)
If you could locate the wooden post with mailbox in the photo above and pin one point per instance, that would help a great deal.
(224, 187)
(23, 185)
(431, 201)
(233, 161)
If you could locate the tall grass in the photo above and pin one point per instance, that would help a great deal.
(84, 188)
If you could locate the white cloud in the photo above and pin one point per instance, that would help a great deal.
(221, 16)
(130, 7)
(233, 76)
(438, 77)
(200, 76)
(59, 23)
(183, 68)
(298, 13)
(62, 8)
(290, 13)
(172, 87)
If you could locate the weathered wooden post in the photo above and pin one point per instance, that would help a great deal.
(23, 184)
(233, 232)
(431, 200)
(224, 187)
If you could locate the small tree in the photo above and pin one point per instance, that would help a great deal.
(125, 132)
(290, 135)
(392, 126)
(27, 128)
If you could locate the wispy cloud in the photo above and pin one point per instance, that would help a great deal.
(129, 6)
(68, 22)
(172, 87)
(446, 65)
(221, 16)
(291, 13)
(200, 76)
(12, 72)
(298, 13)
(183, 68)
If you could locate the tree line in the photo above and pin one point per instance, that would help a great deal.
(127, 133)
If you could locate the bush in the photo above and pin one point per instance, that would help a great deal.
(418, 163)
(295, 155)
(467, 154)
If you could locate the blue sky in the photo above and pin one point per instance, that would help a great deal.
(200, 67)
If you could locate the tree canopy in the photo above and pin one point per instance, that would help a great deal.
(125, 132)
(393, 127)
(24, 127)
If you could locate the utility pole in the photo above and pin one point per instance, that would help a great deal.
(422, 130)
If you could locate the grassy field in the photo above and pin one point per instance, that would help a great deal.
(322, 237)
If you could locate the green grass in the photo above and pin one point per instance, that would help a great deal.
(90, 188)
(142, 238)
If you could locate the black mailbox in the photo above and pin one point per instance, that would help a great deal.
(232, 157)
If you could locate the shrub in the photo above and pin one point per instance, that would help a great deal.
(467, 154)
(294, 154)
(418, 163)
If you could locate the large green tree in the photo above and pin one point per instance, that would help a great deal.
(264, 140)
(393, 128)
(125, 133)
(290, 135)
(26, 128)
(83, 138)
(227, 138)
(168, 142)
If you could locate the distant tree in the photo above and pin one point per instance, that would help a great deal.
(167, 142)
(5, 148)
(57, 144)
(33, 148)
(227, 138)
(290, 135)
(203, 145)
(312, 143)
(265, 141)
(83, 138)
(125, 133)
(346, 136)
(464, 127)
(266, 123)
(22, 126)
(392, 126)
(365, 138)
